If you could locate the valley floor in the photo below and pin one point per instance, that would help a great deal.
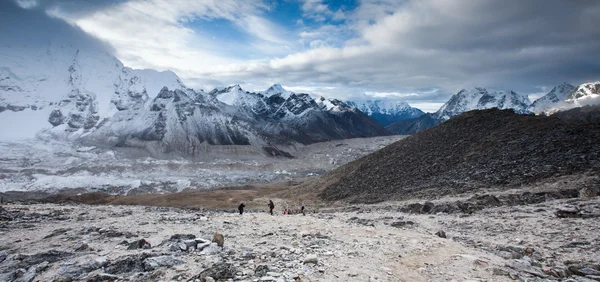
(50, 167)
(50, 242)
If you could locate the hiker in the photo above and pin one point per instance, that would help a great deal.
(302, 210)
(271, 207)
(241, 208)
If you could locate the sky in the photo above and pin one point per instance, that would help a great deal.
(419, 51)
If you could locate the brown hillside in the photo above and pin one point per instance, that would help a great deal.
(489, 148)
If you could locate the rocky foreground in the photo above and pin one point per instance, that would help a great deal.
(552, 240)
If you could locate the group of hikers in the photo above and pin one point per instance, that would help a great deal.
(271, 206)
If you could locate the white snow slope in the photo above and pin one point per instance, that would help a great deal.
(479, 98)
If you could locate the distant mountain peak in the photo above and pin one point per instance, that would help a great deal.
(277, 89)
(552, 99)
(584, 93)
(386, 111)
(479, 98)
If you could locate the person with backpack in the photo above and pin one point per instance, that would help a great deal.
(271, 207)
(241, 208)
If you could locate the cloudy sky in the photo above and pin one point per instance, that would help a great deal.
(420, 51)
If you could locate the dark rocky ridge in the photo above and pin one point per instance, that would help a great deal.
(488, 148)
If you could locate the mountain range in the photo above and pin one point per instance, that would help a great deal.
(89, 96)
(77, 90)
(561, 97)
(386, 112)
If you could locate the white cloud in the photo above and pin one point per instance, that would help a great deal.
(27, 4)
(153, 34)
(383, 46)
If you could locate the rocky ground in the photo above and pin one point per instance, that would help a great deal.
(477, 149)
(549, 240)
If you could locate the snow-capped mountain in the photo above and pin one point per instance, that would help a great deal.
(76, 89)
(70, 86)
(554, 98)
(277, 89)
(479, 98)
(386, 111)
(188, 122)
(585, 94)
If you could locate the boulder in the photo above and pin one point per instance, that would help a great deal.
(127, 264)
(441, 234)
(261, 270)
(212, 248)
(568, 212)
(161, 261)
(588, 192)
(218, 271)
(311, 259)
(427, 207)
(219, 239)
(139, 244)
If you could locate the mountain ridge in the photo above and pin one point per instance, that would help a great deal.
(386, 112)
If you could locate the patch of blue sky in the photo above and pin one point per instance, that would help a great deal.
(226, 37)
(285, 13)
(344, 5)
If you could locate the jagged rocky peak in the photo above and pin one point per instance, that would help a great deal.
(334, 105)
(587, 92)
(553, 99)
(277, 89)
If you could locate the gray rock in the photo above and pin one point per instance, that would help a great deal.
(525, 266)
(585, 271)
(57, 232)
(218, 271)
(580, 279)
(404, 223)
(139, 244)
(126, 264)
(213, 248)
(311, 259)
(103, 277)
(182, 246)
(593, 277)
(427, 207)
(73, 269)
(32, 272)
(49, 256)
(568, 212)
(161, 261)
(191, 244)
(178, 237)
(441, 234)
(588, 192)
(261, 270)
(174, 247)
(82, 247)
(202, 246)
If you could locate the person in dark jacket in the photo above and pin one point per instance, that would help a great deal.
(302, 210)
(241, 208)
(271, 207)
